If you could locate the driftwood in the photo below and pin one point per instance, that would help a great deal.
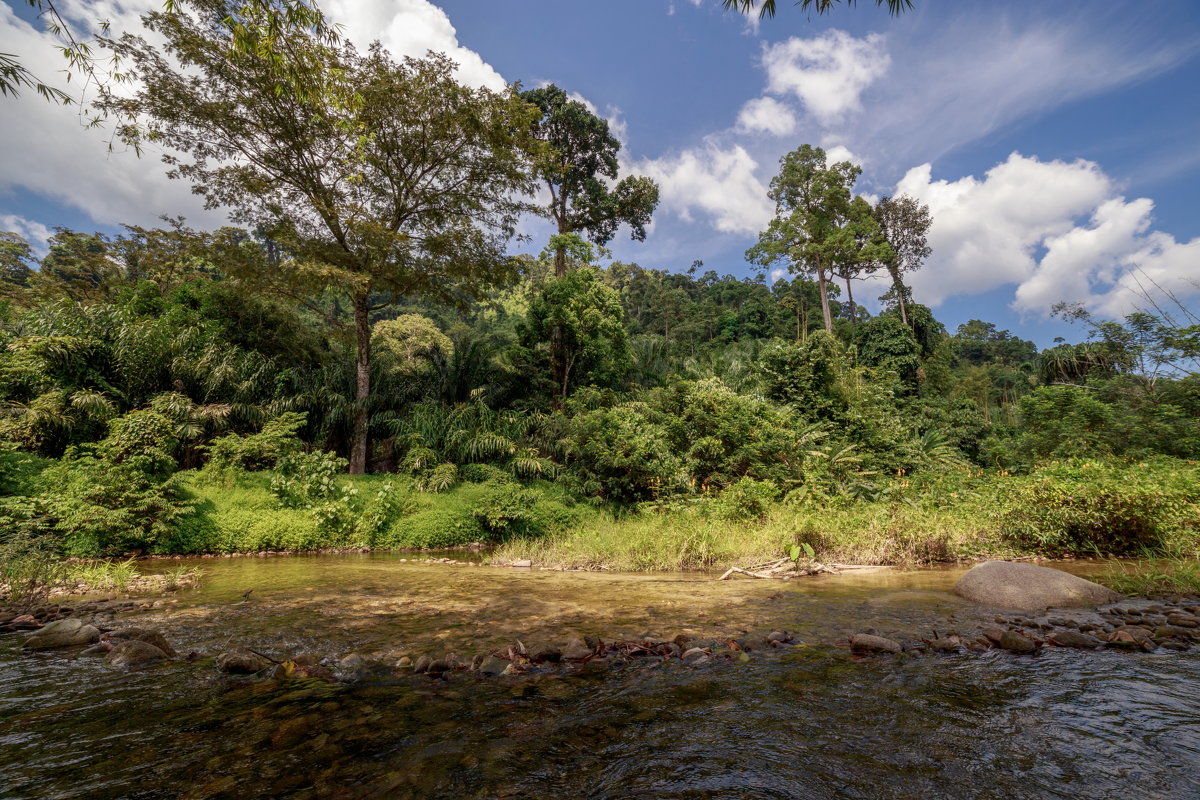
(786, 568)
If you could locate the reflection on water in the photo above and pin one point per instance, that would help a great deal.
(809, 723)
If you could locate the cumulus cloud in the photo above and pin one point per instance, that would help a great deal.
(1055, 230)
(827, 73)
(411, 28)
(719, 181)
(768, 115)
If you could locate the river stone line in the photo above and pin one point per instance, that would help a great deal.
(1008, 584)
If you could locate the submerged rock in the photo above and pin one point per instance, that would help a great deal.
(143, 635)
(132, 652)
(63, 633)
(576, 651)
(1011, 640)
(869, 643)
(1008, 584)
(242, 663)
(1072, 639)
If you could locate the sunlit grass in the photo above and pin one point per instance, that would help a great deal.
(1153, 575)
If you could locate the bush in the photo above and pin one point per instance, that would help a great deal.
(263, 450)
(144, 440)
(1084, 507)
(622, 454)
(449, 525)
(745, 500)
(305, 479)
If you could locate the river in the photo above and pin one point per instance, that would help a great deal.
(810, 721)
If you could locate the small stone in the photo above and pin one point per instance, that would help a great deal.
(994, 635)
(866, 642)
(438, 667)
(422, 664)
(778, 636)
(693, 653)
(351, 661)
(551, 655)
(404, 661)
(1183, 621)
(523, 563)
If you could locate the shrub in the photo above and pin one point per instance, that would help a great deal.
(745, 500)
(448, 525)
(622, 454)
(1095, 506)
(144, 440)
(483, 473)
(263, 450)
(305, 479)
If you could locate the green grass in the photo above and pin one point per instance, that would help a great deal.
(1153, 575)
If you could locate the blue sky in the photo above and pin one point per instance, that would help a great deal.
(1056, 143)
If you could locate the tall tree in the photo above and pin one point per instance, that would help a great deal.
(381, 179)
(577, 167)
(904, 223)
(811, 231)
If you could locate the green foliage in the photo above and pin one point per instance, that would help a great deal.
(263, 450)
(745, 499)
(575, 326)
(806, 375)
(305, 479)
(623, 454)
(144, 440)
(1082, 507)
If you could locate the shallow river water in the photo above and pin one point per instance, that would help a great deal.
(805, 722)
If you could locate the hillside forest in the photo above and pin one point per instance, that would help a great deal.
(371, 356)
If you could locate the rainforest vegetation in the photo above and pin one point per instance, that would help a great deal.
(369, 357)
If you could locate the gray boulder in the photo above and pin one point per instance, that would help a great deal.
(1008, 584)
(63, 633)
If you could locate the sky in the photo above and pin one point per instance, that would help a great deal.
(1057, 145)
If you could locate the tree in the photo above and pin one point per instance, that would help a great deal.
(588, 317)
(379, 179)
(904, 222)
(16, 264)
(816, 225)
(866, 248)
(582, 154)
(767, 9)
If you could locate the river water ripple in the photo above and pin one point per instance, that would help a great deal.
(811, 722)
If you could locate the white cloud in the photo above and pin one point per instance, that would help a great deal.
(718, 181)
(1055, 230)
(839, 153)
(51, 154)
(411, 28)
(768, 115)
(827, 73)
(33, 232)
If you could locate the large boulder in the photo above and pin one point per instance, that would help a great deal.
(63, 633)
(1008, 584)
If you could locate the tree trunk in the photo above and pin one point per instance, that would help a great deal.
(850, 298)
(560, 262)
(898, 285)
(362, 385)
(823, 289)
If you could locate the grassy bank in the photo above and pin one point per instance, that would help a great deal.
(1074, 509)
